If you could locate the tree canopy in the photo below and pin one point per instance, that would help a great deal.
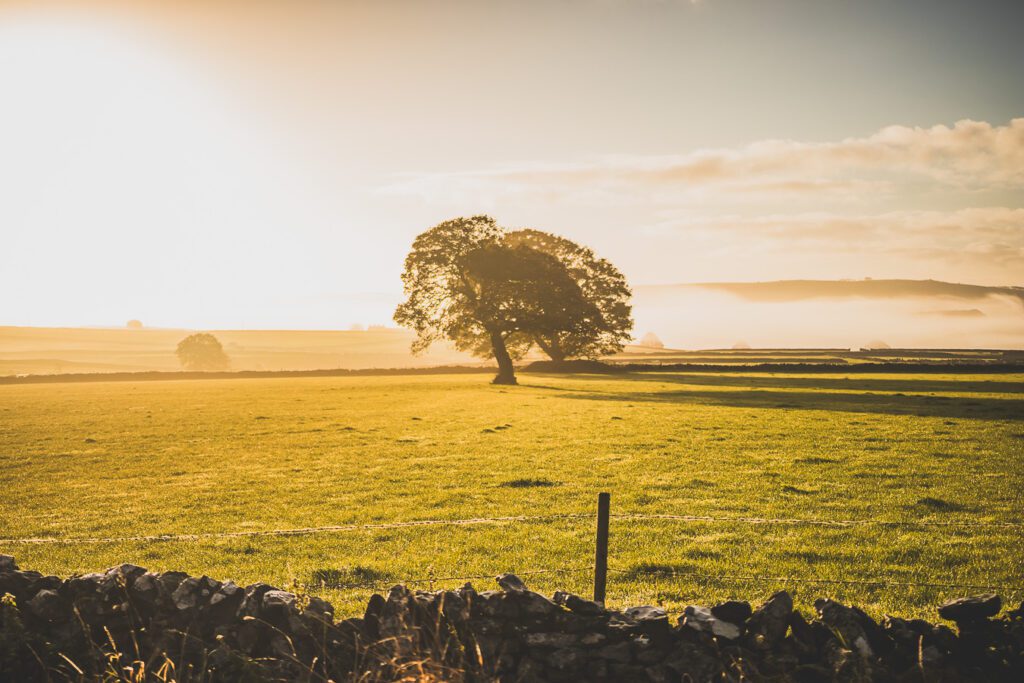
(495, 293)
(202, 352)
(601, 329)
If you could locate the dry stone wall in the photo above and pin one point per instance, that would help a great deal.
(130, 624)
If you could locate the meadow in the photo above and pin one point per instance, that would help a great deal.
(942, 453)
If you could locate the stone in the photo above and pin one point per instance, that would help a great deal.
(534, 604)
(497, 604)
(146, 586)
(455, 607)
(85, 584)
(645, 652)
(125, 574)
(694, 663)
(186, 595)
(252, 602)
(509, 635)
(7, 564)
(646, 613)
(975, 608)
(565, 659)
(227, 591)
(627, 673)
(597, 669)
(321, 609)
(277, 599)
(553, 640)
(768, 624)
(511, 583)
(703, 620)
(733, 611)
(847, 623)
(647, 619)
(620, 652)
(374, 607)
(803, 635)
(47, 605)
(660, 674)
(577, 604)
(248, 637)
(169, 582)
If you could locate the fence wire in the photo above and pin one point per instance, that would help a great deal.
(430, 580)
(661, 574)
(820, 522)
(301, 531)
(878, 583)
(306, 531)
(654, 572)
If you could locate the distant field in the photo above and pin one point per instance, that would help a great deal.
(45, 351)
(42, 350)
(205, 456)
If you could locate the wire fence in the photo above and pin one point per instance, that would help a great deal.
(654, 572)
(306, 531)
(301, 531)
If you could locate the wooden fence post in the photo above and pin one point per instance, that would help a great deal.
(601, 555)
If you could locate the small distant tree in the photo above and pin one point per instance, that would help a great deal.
(651, 341)
(202, 352)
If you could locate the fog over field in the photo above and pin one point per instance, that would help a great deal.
(900, 313)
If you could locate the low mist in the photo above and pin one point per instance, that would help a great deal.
(695, 317)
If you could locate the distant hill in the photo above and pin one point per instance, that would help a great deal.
(800, 290)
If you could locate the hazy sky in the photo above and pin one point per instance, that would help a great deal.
(220, 164)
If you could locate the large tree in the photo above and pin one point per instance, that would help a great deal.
(464, 282)
(602, 329)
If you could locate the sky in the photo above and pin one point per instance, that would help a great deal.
(215, 164)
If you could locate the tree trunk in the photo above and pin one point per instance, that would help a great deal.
(506, 371)
(551, 347)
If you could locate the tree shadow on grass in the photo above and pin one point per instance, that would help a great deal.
(908, 384)
(885, 404)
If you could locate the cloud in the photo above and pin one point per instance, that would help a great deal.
(942, 202)
(985, 243)
(969, 156)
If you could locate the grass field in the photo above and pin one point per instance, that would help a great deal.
(126, 459)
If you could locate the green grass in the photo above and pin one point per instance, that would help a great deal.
(126, 459)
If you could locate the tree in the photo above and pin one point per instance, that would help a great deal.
(202, 352)
(604, 326)
(465, 282)
(651, 341)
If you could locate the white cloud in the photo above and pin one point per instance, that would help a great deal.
(984, 245)
(970, 155)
